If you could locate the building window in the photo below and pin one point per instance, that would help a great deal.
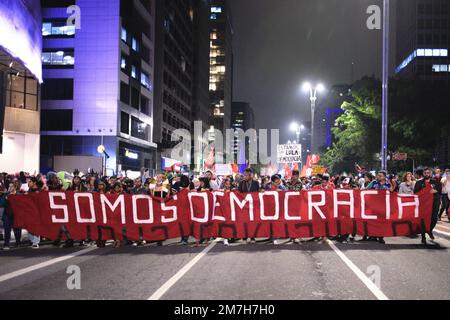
(57, 89)
(123, 35)
(58, 58)
(145, 81)
(56, 120)
(124, 123)
(125, 93)
(123, 63)
(57, 29)
(134, 44)
(22, 92)
(139, 129)
(134, 72)
(135, 97)
(145, 105)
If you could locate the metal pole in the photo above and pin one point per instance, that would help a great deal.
(385, 87)
(313, 109)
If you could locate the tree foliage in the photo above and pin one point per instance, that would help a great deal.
(419, 114)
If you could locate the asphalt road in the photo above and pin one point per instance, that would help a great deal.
(401, 269)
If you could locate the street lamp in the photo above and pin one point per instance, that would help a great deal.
(307, 87)
(102, 150)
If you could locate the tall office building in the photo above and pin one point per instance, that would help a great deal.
(200, 97)
(221, 64)
(98, 84)
(20, 77)
(174, 72)
(242, 117)
(423, 40)
(328, 111)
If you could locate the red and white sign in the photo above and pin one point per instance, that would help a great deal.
(60, 215)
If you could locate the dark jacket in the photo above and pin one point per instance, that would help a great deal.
(420, 185)
(253, 188)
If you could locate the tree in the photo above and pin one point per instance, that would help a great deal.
(416, 125)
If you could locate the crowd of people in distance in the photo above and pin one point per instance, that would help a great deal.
(164, 185)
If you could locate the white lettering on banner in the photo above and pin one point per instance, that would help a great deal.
(76, 196)
(63, 207)
(120, 201)
(363, 204)
(217, 194)
(135, 199)
(286, 205)
(401, 205)
(337, 202)
(171, 208)
(204, 196)
(235, 200)
(316, 205)
(388, 205)
(276, 216)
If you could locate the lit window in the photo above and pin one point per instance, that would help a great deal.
(213, 17)
(133, 72)
(436, 52)
(428, 52)
(145, 81)
(444, 52)
(60, 58)
(444, 68)
(134, 44)
(123, 63)
(123, 34)
(216, 9)
(57, 29)
(46, 29)
(420, 52)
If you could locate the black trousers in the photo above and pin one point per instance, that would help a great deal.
(445, 204)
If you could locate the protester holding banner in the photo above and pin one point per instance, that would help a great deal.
(435, 187)
(248, 184)
(294, 184)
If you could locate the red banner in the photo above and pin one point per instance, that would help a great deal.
(62, 215)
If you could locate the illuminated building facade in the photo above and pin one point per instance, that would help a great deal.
(20, 77)
(98, 83)
(221, 65)
(423, 40)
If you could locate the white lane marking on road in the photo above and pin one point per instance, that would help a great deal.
(442, 226)
(44, 264)
(441, 232)
(361, 275)
(166, 286)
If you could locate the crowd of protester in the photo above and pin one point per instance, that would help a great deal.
(164, 185)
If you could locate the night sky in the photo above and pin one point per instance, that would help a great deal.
(280, 43)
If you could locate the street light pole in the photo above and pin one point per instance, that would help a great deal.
(313, 98)
(385, 86)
